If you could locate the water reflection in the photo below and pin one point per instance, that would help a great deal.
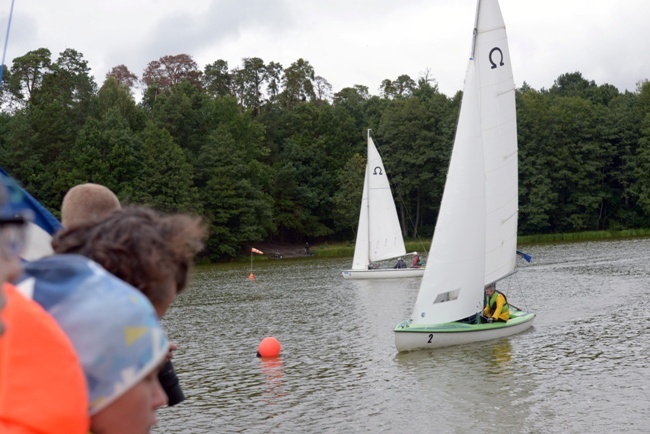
(273, 371)
(500, 355)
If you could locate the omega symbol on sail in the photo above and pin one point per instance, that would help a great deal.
(377, 171)
(492, 51)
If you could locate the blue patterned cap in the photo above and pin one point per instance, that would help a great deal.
(112, 326)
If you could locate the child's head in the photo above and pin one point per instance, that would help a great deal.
(115, 332)
(151, 251)
(87, 203)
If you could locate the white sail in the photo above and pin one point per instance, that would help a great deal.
(379, 235)
(475, 237)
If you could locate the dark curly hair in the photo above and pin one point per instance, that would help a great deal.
(140, 246)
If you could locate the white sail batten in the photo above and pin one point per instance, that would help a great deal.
(379, 234)
(475, 237)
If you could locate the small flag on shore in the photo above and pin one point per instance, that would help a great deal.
(254, 250)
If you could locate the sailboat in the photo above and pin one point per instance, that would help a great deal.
(474, 243)
(379, 235)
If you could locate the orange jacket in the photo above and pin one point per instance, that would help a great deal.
(42, 386)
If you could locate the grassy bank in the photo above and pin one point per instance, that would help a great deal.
(583, 236)
(345, 249)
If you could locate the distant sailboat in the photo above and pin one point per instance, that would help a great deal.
(475, 238)
(379, 235)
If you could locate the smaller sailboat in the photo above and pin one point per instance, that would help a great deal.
(475, 240)
(379, 235)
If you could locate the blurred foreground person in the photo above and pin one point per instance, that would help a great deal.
(116, 334)
(151, 251)
(42, 385)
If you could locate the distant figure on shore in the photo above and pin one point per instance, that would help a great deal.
(307, 248)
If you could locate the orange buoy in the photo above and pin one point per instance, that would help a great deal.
(269, 347)
(251, 277)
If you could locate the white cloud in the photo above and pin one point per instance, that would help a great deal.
(347, 42)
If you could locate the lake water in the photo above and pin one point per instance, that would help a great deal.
(582, 368)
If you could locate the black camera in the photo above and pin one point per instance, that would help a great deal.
(171, 386)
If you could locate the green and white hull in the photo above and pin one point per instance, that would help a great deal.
(410, 337)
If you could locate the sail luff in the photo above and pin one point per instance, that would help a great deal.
(456, 261)
(361, 260)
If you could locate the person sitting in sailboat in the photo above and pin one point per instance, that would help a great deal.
(496, 306)
(417, 261)
(400, 263)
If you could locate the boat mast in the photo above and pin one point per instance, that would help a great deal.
(366, 185)
(478, 8)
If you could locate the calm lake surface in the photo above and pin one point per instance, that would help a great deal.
(582, 368)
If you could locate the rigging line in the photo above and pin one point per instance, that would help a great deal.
(523, 293)
(4, 52)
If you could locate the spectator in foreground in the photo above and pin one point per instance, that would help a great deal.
(151, 251)
(42, 385)
(116, 334)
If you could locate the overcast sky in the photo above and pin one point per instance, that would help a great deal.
(347, 42)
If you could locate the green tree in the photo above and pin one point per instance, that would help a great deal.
(28, 71)
(347, 198)
(298, 84)
(184, 113)
(233, 182)
(217, 80)
(116, 95)
(105, 152)
(403, 86)
(411, 152)
(248, 83)
(166, 179)
(537, 162)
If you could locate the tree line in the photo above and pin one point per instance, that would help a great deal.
(270, 153)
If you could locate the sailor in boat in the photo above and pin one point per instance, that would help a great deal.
(496, 306)
(400, 263)
(417, 261)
